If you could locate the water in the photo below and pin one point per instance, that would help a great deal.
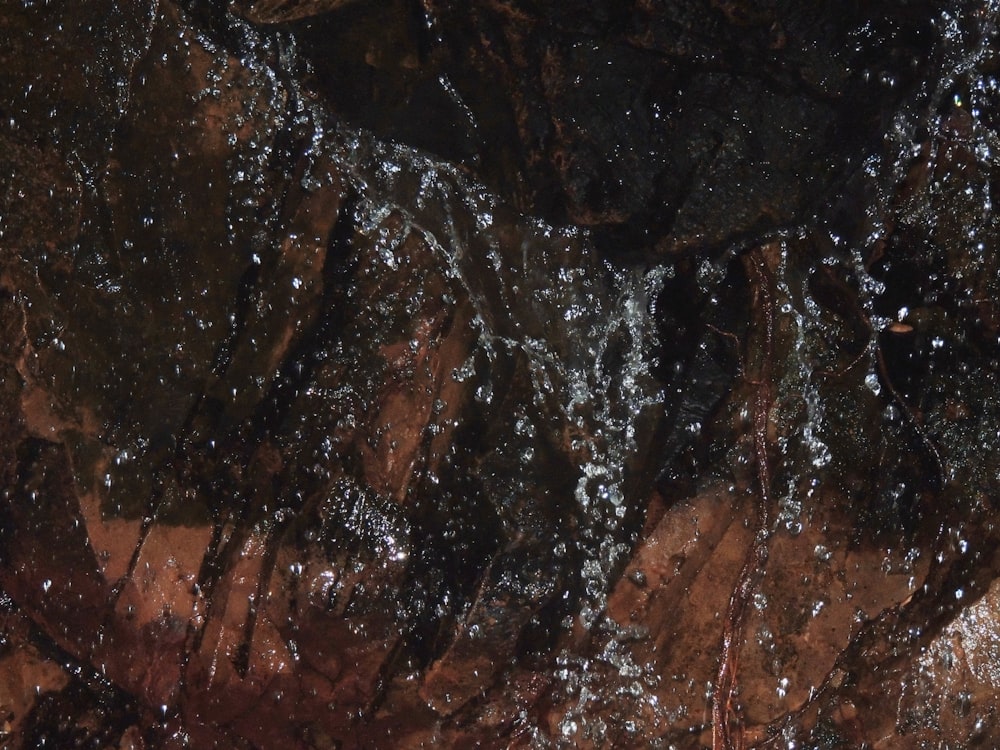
(585, 331)
(394, 414)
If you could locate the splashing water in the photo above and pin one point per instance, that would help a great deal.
(587, 331)
(554, 407)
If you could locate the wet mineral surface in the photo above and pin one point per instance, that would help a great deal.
(406, 374)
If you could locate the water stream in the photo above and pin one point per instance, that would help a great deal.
(347, 394)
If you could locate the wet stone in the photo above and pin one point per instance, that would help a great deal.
(498, 374)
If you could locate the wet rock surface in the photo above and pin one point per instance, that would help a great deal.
(498, 374)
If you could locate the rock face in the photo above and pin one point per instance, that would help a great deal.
(498, 374)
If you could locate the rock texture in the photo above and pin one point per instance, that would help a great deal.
(498, 374)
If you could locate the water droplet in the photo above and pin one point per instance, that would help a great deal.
(782, 689)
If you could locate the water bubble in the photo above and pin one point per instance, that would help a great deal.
(782, 689)
(822, 553)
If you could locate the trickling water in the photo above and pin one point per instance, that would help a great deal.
(397, 416)
(586, 330)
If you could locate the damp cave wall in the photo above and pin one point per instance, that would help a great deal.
(437, 369)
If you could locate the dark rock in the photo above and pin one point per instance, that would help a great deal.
(498, 374)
